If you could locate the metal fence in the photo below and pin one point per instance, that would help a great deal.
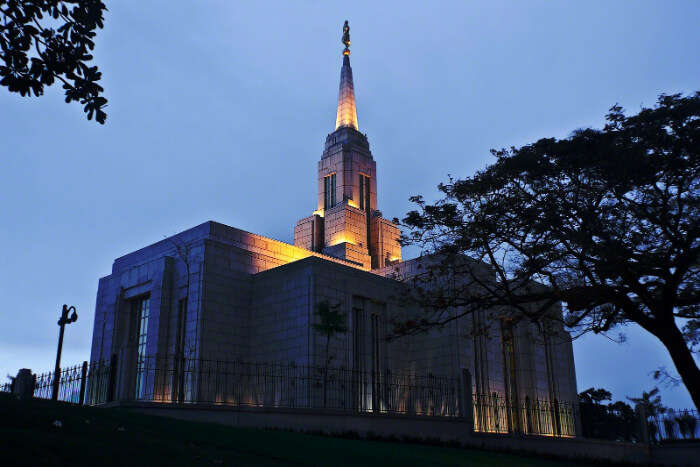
(496, 414)
(170, 379)
(281, 385)
(69, 387)
(674, 425)
(80, 384)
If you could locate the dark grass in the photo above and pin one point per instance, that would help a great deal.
(92, 436)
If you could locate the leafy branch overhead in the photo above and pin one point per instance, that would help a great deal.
(44, 41)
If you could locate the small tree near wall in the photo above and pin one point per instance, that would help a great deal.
(331, 322)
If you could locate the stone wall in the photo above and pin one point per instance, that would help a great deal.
(385, 246)
(281, 313)
(344, 223)
(221, 261)
(543, 367)
(253, 298)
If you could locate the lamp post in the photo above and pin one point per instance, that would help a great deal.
(65, 319)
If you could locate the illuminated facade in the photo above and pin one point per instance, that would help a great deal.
(217, 292)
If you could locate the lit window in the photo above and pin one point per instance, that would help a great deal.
(328, 191)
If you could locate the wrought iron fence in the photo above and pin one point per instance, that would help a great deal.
(281, 385)
(621, 422)
(674, 425)
(79, 384)
(68, 388)
(285, 385)
(496, 414)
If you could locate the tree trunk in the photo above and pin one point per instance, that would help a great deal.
(682, 357)
(325, 374)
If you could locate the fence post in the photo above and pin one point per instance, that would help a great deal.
(467, 401)
(112, 378)
(181, 380)
(83, 381)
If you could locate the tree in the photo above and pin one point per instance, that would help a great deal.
(595, 396)
(42, 41)
(605, 222)
(331, 321)
(651, 401)
(613, 421)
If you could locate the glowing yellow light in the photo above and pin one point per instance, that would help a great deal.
(318, 212)
(347, 112)
(340, 238)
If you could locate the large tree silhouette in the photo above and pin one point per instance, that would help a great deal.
(42, 41)
(605, 222)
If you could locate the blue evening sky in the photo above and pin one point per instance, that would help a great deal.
(218, 111)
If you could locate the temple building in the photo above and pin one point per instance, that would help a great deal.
(218, 293)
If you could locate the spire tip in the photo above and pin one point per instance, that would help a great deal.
(346, 38)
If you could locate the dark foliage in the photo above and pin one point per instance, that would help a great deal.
(605, 222)
(42, 41)
(614, 421)
(595, 396)
(651, 401)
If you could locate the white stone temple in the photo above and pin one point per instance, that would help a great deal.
(218, 293)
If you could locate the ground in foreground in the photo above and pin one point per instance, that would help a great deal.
(30, 435)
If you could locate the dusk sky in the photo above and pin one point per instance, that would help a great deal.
(218, 110)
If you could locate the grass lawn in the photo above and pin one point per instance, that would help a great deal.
(91, 436)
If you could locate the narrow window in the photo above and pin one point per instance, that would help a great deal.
(332, 190)
(180, 365)
(364, 192)
(140, 310)
(182, 320)
(329, 191)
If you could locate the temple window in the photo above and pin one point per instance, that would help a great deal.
(364, 192)
(329, 191)
(140, 312)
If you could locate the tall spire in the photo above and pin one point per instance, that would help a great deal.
(347, 113)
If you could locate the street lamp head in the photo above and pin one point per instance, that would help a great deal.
(65, 319)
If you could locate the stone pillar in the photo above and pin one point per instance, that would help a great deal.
(24, 384)
(467, 410)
